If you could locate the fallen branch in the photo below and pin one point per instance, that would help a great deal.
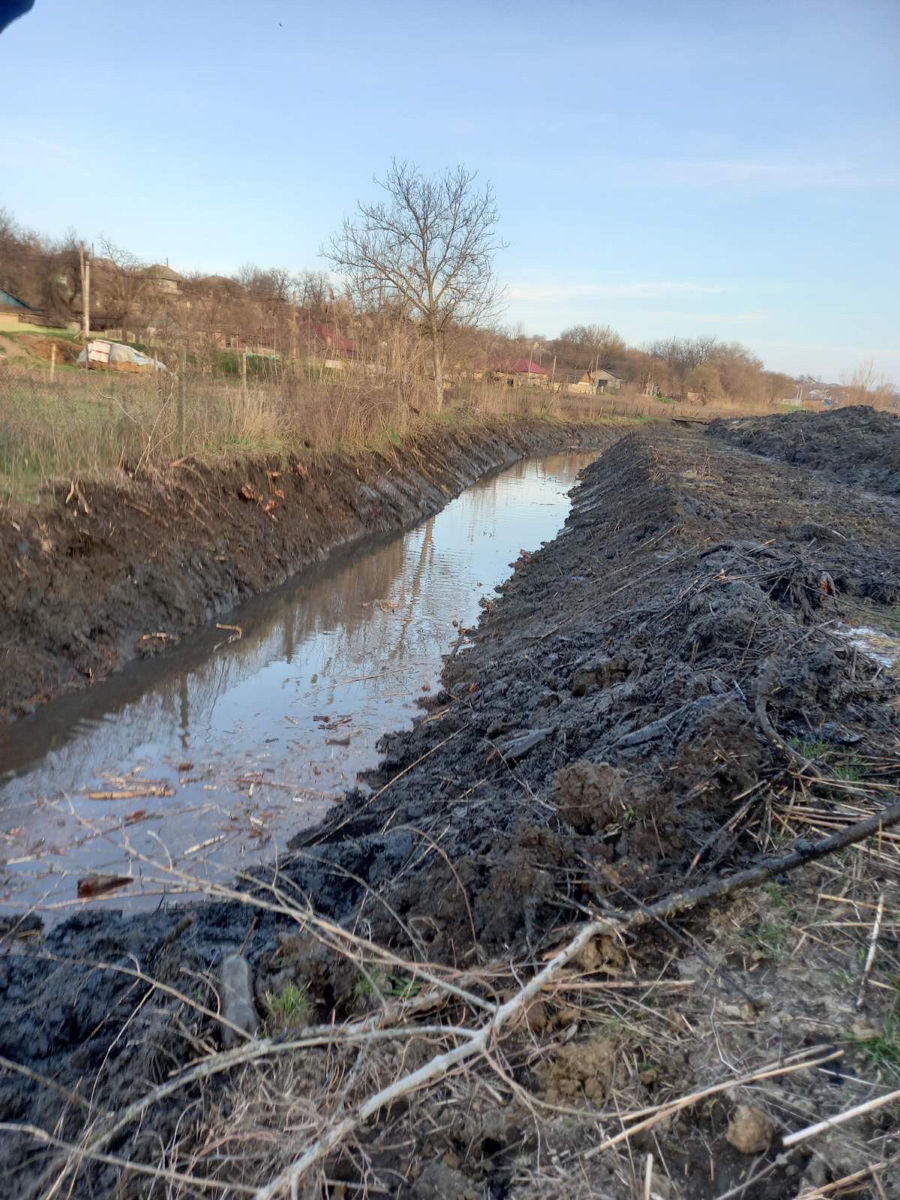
(135, 793)
(803, 764)
(124, 1164)
(441, 1065)
(476, 1042)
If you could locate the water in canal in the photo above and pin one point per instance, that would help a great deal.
(212, 756)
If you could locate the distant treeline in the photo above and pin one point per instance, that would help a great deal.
(288, 314)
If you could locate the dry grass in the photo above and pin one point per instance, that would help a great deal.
(86, 423)
(597, 1071)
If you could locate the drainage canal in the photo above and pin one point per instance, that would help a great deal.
(209, 758)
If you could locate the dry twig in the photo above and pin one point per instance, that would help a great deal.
(858, 1110)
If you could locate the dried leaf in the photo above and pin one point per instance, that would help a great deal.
(100, 885)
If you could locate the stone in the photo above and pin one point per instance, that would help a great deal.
(750, 1129)
(440, 1182)
(236, 999)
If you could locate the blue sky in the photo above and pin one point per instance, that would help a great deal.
(668, 167)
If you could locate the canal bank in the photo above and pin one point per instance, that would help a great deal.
(659, 698)
(224, 747)
(101, 572)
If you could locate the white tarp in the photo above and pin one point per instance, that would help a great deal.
(103, 351)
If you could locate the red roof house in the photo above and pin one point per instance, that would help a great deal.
(519, 366)
(333, 341)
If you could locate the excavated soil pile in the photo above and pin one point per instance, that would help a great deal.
(626, 701)
(858, 445)
(103, 571)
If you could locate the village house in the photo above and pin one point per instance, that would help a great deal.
(9, 301)
(591, 383)
(164, 279)
(331, 348)
(520, 372)
(604, 381)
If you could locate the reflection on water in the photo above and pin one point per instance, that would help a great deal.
(258, 737)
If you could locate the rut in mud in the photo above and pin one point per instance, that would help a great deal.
(638, 702)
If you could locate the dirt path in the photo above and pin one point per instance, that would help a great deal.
(104, 571)
(664, 693)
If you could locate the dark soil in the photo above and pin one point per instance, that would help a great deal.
(608, 733)
(856, 445)
(96, 573)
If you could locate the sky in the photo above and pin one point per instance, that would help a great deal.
(667, 167)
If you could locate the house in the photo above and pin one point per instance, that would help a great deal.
(329, 340)
(15, 312)
(164, 279)
(579, 383)
(520, 372)
(591, 383)
(8, 300)
(604, 381)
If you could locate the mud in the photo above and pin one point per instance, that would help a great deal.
(858, 445)
(602, 739)
(101, 572)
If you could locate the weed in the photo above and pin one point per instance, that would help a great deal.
(849, 772)
(289, 1008)
(370, 983)
(883, 1051)
(767, 940)
(775, 894)
(404, 989)
(811, 749)
(397, 986)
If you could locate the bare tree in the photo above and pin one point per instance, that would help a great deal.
(428, 246)
(592, 345)
(120, 285)
(866, 386)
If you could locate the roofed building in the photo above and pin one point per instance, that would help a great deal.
(519, 372)
(165, 279)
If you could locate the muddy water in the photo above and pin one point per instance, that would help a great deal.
(210, 757)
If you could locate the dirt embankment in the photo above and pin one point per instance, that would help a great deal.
(85, 577)
(639, 709)
(858, 445)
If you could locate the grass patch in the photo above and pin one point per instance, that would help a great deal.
(811, 748)
(775, 894)
(289, 1008)
(767, 940)
(849, 773)
(88, 423)
(398, 987)
(883, 1051)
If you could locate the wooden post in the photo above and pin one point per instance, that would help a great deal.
(244, 373)
(179, 410)
(85, 300)
(53, 362)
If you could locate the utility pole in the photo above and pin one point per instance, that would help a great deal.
(85, 300)
(179, 411)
